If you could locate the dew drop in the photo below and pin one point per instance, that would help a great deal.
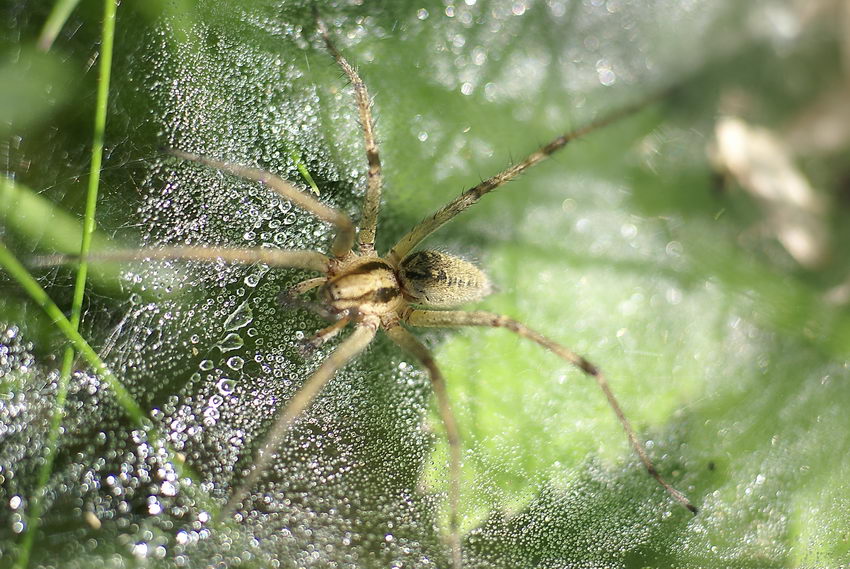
(226, 386)
(605, 72)
(239, 318)
(231, 342)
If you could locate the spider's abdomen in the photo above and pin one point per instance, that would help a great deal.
(368, 285)
(439, 279)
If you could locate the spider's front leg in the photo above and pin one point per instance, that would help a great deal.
(290, 297)
(344, 240)
(471, 196)
(295, 406)
(372, 202)
(282, 258)
(457, 318)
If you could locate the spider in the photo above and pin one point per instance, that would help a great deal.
(372, 292)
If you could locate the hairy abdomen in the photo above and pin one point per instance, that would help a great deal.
(439, 279)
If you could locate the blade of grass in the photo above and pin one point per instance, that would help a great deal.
(55, 21)
(18, 272)
(61, 11)
(43, 225)
(14, 267)
(296, 157)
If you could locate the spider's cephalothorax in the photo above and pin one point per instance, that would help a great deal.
(382, 293)
(365, 285)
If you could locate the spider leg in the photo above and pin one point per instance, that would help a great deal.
(439, 318)
(306, 286)
(345, 352)
(430, 224)
(345, 228)
(372, 202)
(409, 343)
(296, 259)
(319, 338)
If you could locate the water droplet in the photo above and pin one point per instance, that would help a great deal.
(239, 318)
(235, 363)
(226, 386)
(231, 342)
(674, 249)
(206, 365)
(140, 550)
(605, 71)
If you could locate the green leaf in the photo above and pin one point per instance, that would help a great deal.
(728, 357)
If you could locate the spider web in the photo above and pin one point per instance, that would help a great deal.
(576, 248)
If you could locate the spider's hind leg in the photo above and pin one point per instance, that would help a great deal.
(458, 318)
(410, 344)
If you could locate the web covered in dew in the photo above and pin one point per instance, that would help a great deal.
(212, 354)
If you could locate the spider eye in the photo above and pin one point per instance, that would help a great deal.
(440, 279)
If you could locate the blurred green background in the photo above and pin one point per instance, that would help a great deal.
(634, 246)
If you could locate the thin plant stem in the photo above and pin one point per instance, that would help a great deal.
(305, 173)
(55, 21)
(125, 400)
(14, 267)
(52, 446)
